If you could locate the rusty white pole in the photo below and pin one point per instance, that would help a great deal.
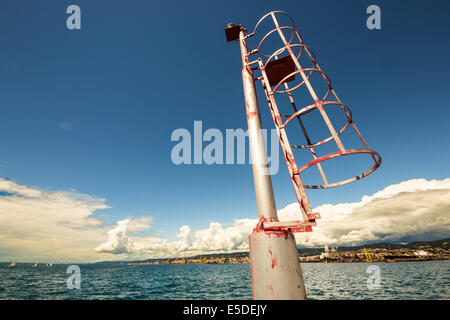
(265, 200)
(275, 267)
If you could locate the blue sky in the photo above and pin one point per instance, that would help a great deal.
(138, 70)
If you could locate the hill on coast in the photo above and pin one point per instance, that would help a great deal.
(304, 252)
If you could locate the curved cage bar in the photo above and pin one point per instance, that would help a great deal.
(311, 70)
(340, 154)
(273, 13)
(310, 108)
(301, 45)
(294, 31)
(283, 48)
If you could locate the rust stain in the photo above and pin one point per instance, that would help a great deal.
(251, 115)
(270, 289)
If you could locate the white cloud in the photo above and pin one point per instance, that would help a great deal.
(119, 240)
(215, 238)
(46, 225)
(60, 226)
(414, 208)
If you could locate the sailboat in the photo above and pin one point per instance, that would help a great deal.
(50, 265)
(35, 265)
(13, 264)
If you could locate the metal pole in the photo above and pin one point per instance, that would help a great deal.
(265, 200)
(275, 267)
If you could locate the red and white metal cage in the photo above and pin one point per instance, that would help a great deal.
(276, 271)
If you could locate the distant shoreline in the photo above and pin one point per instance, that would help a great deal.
(378, 252)
(228, 263)
(307, 262)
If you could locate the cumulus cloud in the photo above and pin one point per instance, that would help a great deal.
(50, 225)
(416, 208)
(61, 225)
(413, 208)
(215, 238)
(119, 238)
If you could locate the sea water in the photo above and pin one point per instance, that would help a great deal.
(401, 280)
